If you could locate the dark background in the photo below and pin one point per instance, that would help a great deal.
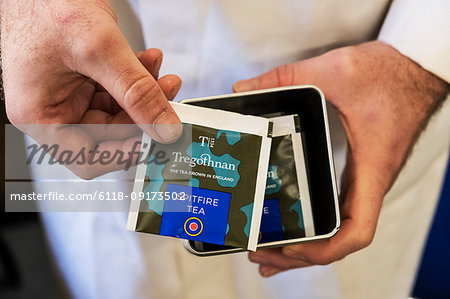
(26, 266)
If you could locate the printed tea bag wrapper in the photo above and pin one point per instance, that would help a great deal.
(209, 185)
(287, 209)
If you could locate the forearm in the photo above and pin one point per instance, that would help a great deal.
(422, 91)
(431, 90)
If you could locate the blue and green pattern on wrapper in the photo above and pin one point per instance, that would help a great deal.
(232, 137)
(208, 160)
(198, 151)
(155, 172)
(282, 187)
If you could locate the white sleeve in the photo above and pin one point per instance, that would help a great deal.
(420, 29)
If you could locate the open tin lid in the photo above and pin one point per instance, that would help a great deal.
(308, 102)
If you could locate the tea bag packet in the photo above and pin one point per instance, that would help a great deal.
(287, 208)
(209, 185)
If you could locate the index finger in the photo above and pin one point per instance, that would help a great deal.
(108, 59)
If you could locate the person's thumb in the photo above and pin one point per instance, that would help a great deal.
(284, 75)
(110, 61)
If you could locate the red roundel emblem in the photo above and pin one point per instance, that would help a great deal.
(193, 226)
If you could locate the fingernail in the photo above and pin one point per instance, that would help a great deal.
(159, 61)
(256, 259)
(293, 254)
(245, 85)
(174, 90)
(157, 66)
(266, 272)
(165, 127)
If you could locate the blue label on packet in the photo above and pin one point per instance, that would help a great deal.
(195, 214)
(271, 227)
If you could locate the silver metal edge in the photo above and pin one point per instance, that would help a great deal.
(260, 91)
(210, 253)
(330, 159)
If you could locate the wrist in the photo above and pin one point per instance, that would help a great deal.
(424, 90)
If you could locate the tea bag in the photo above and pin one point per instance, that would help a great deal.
(287, 208)
(209, 185)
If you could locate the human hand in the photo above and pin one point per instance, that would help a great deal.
(67, 62)
(384, 101)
